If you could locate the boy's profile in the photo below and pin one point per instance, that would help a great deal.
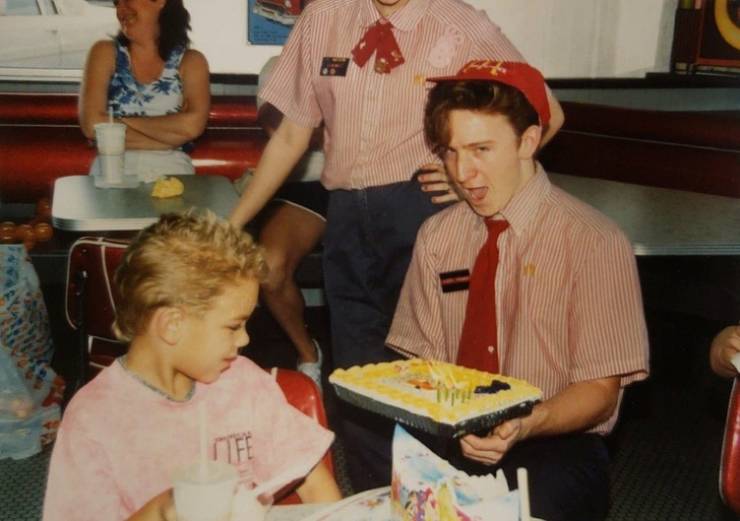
(188, 284)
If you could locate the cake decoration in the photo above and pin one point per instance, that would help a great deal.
(425, 486)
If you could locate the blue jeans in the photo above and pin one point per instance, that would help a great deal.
(368, 243)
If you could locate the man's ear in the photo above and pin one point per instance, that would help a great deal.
(167, 323)
(530, 142)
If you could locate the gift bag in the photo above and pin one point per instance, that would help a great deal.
(30, 391)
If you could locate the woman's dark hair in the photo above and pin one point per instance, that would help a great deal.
(477, 96)
(174, 24)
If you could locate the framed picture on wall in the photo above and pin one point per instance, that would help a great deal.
(707, 37)
(269, 21)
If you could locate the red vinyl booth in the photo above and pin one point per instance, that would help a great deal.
(729, 470)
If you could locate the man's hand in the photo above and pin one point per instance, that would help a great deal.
(492, 448)
(434, 180)
(725, 346)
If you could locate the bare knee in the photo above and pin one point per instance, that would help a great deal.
(279, 271)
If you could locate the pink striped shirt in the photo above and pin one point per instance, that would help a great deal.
(568, 297)
(374, 122)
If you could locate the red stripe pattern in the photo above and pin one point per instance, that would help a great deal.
(374, 122)
(568, 298)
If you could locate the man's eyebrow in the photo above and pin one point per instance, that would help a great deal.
(479, 143)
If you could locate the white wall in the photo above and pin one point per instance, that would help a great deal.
(565, 38)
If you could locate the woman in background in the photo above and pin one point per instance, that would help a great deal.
(150, 81)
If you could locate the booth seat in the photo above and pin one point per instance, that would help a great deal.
(40, 141)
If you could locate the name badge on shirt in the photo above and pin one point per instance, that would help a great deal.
(334, 66)
(457, 280)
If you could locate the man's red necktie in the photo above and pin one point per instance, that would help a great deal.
(378, 39)
(478, 343)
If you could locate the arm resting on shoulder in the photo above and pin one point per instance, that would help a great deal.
(577, 408)
(283, 150)
(174, 130)
(724, 346)
(319, 486)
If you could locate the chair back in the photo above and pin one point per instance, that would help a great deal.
(729, 470)
(91, 302)
(301, 392)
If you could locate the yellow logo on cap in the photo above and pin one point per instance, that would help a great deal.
(495, 67)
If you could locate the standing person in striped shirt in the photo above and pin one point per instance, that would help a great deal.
(564, 309)
(360, 66)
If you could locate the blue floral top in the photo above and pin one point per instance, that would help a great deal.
(128, 97)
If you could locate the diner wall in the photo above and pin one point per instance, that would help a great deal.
(565, 38)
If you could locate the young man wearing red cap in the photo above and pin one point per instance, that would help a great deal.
(360, 67)
(522, 279)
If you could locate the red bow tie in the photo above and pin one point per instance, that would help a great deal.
(379, 39)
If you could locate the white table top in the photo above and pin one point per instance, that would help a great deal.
(371, 505)
(81, 207)
(660, 221)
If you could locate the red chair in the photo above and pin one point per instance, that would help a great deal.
(90, 308)
(302, 393)
(91, 303)
(729, 470)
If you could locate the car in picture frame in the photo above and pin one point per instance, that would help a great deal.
(52, 34)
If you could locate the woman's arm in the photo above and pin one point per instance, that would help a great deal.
(319, 486)
(92, 105)
(283, 150)
(174, 130)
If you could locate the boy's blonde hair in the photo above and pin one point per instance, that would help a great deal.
(181, 260)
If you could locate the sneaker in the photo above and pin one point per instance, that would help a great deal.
(313, 369)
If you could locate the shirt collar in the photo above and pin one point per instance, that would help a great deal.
(405, 19)
(521, 209)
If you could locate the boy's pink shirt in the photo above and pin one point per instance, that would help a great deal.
(120, 442)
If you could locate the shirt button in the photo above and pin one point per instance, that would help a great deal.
(491, 349)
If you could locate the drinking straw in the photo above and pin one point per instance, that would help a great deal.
(203, 440)
(521, 479)
(110, 115)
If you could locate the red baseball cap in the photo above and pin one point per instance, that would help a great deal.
(523, 77)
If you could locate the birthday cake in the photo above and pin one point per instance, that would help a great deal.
(438, 397)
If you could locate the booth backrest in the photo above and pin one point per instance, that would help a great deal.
(40, 140)
(693, 151)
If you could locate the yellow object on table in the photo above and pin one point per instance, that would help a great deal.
(167, 187)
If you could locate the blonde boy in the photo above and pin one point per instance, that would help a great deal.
(188, 284)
